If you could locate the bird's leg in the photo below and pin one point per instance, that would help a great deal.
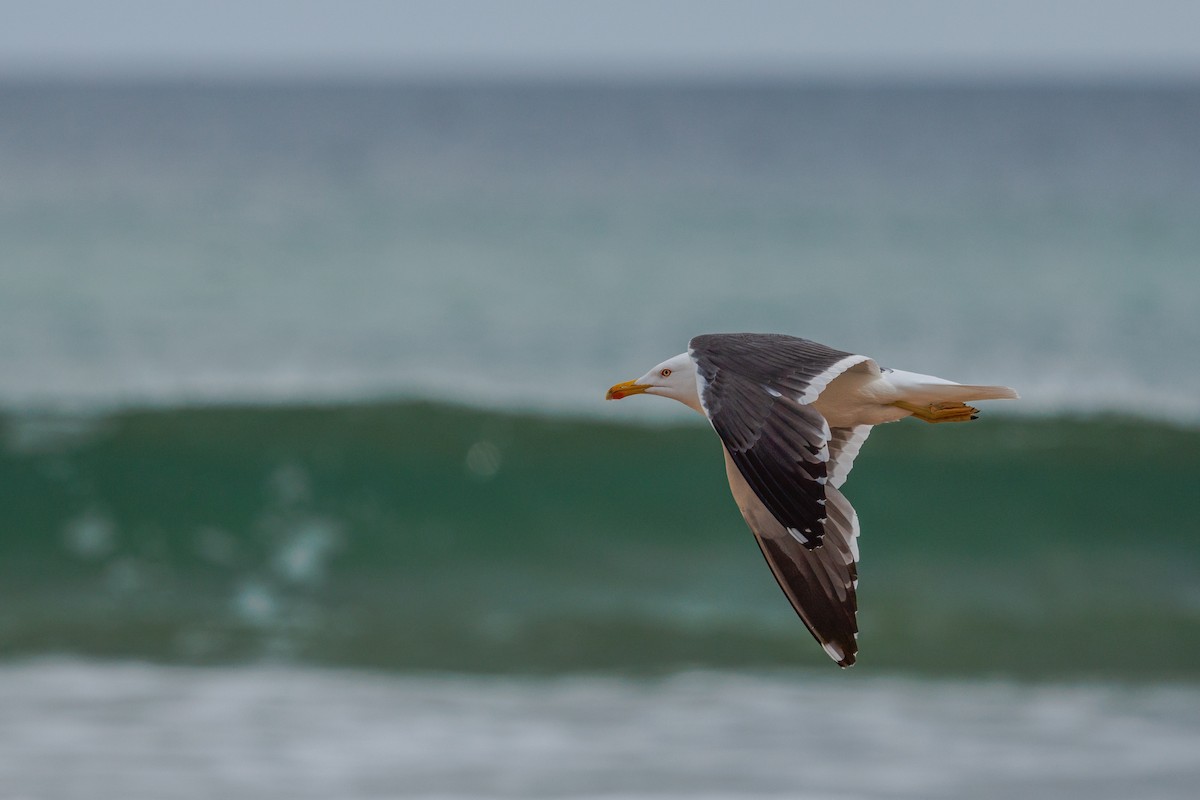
(940, 412)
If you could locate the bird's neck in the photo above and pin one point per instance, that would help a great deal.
(691, 399)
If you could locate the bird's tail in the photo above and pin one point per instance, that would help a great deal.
(959, 393)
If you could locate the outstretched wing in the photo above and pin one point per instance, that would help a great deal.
(756, 390)
(820, 583)
(785, 466)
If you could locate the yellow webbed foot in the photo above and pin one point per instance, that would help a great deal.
(940, 412)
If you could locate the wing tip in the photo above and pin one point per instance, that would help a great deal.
(835, 651)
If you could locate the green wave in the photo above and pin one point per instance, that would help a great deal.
(424, 536)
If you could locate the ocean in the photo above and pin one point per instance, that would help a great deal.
(308, 487)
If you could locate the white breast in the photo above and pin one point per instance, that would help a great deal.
(858, 397)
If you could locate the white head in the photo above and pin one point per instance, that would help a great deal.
(674, 378)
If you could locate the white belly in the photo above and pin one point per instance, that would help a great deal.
(858, 397)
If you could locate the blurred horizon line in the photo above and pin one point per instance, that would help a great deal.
(142, 72)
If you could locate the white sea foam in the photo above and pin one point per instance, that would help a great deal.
(261, 732)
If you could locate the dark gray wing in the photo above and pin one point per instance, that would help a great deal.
(755, 389)
(821, 583)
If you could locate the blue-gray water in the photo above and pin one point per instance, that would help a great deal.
(525, 244)
(301, 396)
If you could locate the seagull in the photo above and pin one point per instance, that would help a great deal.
(792, 415)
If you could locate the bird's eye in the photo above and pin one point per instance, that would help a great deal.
(666, 373)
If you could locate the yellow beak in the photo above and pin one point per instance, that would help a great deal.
(625, 389)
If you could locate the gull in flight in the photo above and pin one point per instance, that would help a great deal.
(792, 415)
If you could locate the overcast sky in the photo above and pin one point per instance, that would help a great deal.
(621, 37)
